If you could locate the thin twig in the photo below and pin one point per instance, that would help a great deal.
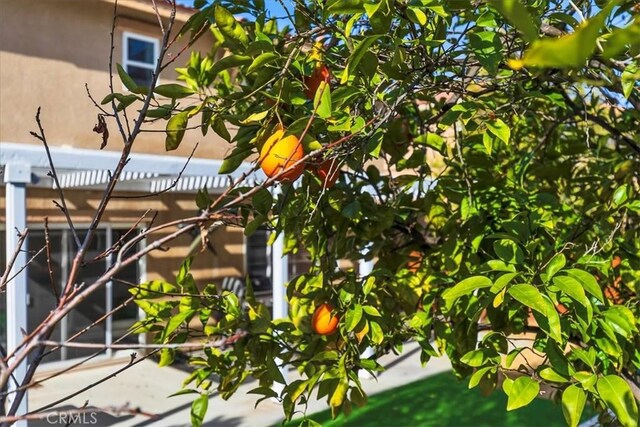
(47, 244)
(164, 190)
(65, 210)
(24, 266)
(21, 237)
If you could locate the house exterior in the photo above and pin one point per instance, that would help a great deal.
(48, 51)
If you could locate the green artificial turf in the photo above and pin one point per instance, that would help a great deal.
(442, 400)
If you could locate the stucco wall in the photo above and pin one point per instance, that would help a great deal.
(50, 49)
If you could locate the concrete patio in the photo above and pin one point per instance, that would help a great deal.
(146, 386)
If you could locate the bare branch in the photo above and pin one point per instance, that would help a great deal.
(164, 190)
(21, 238)
(41, 136)
(47, 245)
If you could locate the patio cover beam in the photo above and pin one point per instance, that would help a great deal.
(80, 159)
(16, 177)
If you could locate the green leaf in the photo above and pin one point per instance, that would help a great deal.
(218, 126)
(477, 376)
(152, 289)
(199, 410)
(532, 298)
(587, 379)
(622, 38)
(573, 400)
(379, 15)
(229, 27)
(630, 76)
(173, 91)
(230, 61)
(255, 117)
(356, 57)
(487, 141)
(487, 48)
(508, 251)
(339, 393)
(235, 159)
(569, 51)
(620, 195)
(573, 288)
(353, 317)
(617, 395)
(107, 99)
(345, 6)
(264, 391)
(322, 101)
(621, 319)
(416, 16)
(202, 199)
(465, 287)
(549, 374)
(374, 144)
(529, 296)
(128, 82)
(262, 60)
(371, 311)
(183, 392)
(476, 358)
(262, 201)
(176, 127)
(125, 100)
(166, 357)
(175, 322)
(499, 129)
(556, 264)
(517, 15)
(352, 210)
(588, 281)
(522, 392)
(377, 336)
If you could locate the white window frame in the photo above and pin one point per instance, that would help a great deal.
(126, 35)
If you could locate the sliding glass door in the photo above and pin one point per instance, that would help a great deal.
(89, 322)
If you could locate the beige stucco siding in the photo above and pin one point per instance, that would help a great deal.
(50, 49)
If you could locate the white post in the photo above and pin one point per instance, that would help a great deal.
(364, 269)
(108, 325)
(279, 278)
(17, 175)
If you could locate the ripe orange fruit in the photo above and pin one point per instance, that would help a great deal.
(415, 260)
(311, 83)
(280, 154)
(615, 261)
(328, 172)
(323, 322)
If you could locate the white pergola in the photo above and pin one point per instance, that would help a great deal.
(23, 165)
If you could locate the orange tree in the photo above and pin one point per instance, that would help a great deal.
(483, 155)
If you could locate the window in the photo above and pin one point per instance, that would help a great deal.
(140, 54)
(259, 261)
